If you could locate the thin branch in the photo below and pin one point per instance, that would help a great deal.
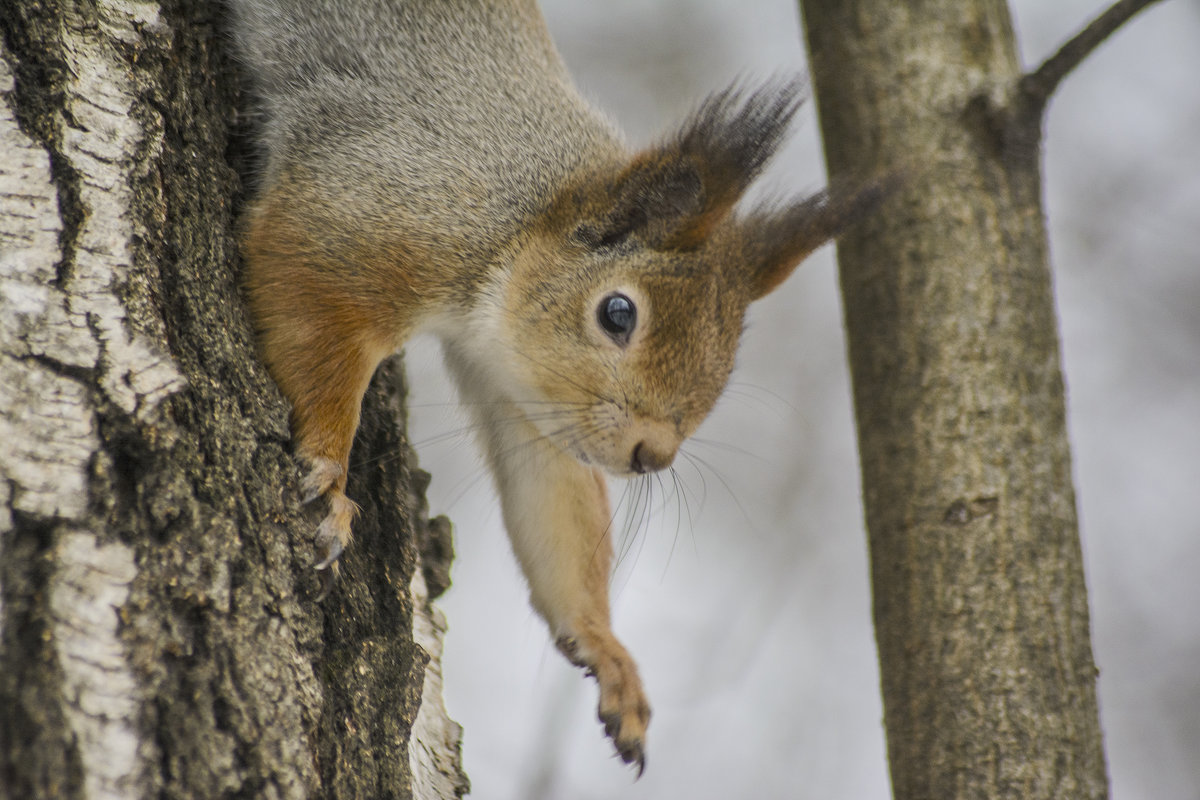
(1037, 86)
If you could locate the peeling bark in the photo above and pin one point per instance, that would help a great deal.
(158, 635)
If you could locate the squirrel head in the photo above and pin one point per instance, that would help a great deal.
(625, 306)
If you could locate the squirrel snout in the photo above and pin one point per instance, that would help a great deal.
(648, 457)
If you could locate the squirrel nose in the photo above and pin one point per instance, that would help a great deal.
(647, 459)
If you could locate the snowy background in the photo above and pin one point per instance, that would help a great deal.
(748, 607)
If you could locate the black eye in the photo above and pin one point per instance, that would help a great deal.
(617, 315)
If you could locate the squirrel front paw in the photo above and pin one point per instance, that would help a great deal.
(333, 534)
(622, 708)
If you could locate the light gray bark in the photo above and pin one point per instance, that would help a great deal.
(158, 635)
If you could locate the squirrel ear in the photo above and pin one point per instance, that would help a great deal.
(649, 199)
(777, 240)
(671, 196)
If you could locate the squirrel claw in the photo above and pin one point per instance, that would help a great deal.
(333, 551)
(327, 568)
(320, 477)
(328, 577)
(331, 540)
(634, 755)
(631, 752)
(334, 532)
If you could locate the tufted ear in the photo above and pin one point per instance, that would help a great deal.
(671, 196)
(776, 240)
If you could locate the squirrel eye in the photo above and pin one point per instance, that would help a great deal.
(617, 315)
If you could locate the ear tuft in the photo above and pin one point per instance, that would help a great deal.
(651, 196)
(671, 196)
(734, 133)
(778, 239)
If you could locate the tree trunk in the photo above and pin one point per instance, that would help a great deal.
(158, 632)
(980, 607)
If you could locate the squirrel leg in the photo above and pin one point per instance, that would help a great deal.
(557, 514)
(321, 336)
(327, 397)
(324, 368)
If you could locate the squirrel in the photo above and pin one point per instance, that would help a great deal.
(429, 166)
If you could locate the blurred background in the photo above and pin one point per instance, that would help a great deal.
(746, 602)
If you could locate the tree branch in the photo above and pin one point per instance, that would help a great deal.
(1037, 86)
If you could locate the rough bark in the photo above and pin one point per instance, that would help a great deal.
(980, 606)
(158, 633)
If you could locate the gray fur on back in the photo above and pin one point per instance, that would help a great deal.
(414, 103)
